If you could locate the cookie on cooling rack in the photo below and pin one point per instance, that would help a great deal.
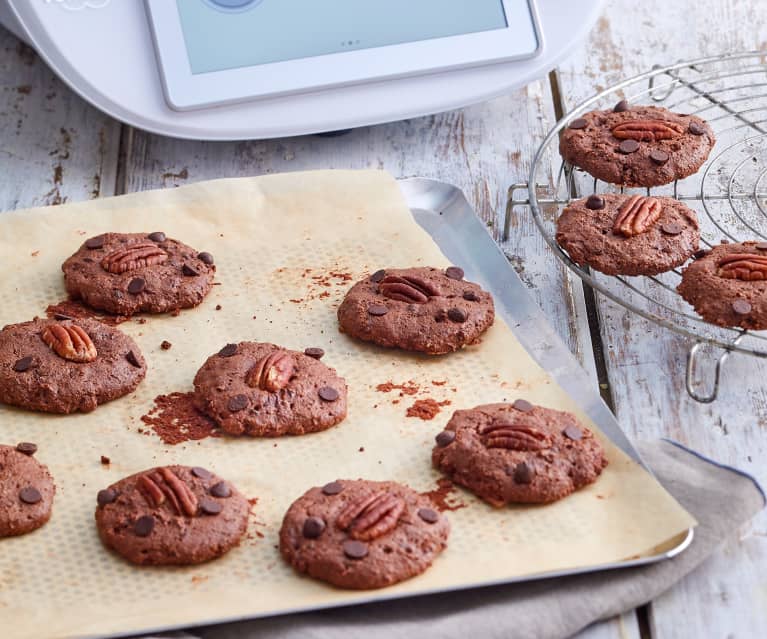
(727, 286)
(362, 534)
(628, 234)
(518, 453)
(637, 145)
(429, 310)
(26, 490)
(127, 273)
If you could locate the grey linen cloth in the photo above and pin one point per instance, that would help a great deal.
(720, 498)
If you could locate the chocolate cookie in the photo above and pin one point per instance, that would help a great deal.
(728, 285)
(417, 309)
(172, 515)
(362, 534)
(628, 234)
(637, 146)
(127, 273)
(518, 453)
(26, 491)
(263, 390)
(66, 366)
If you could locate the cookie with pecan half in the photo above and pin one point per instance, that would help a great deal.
(628, 234)
(728, 285)
(26, 490)
(264, 390)
(430, 310)
(66, 366)
(362, 534)
(171, 516)
(637, 145)
(127, 273)
(518, 453)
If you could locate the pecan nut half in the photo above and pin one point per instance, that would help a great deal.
(70, 342)
(637, 215)
(165, 484)
(272, 373)
(371, 517)
(647, 130)
(132, 257)
(515, 436)
(407, 288)
(743, 266)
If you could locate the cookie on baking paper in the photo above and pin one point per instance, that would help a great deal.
(518, 453)
(65, 366)
(264, 390)
(171, 515)
(26, 490)
(727, 286)
(628, 234)
(637, 145)
(362, 534)
(127, 273)
(422, 309)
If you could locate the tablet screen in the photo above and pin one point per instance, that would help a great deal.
(227, 34)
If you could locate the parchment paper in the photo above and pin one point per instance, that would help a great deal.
(285, 247)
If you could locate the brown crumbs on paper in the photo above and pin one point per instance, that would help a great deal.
(443, 497)
(218, 307)
(105, 461)
(174, 419)
(426, 408)
(406, 388)
(166, 345)
(72, 309)
(198, 579)
(437, 383)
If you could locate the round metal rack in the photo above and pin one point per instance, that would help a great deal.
(729, 193)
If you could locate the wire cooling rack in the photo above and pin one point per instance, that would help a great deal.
(729, 193)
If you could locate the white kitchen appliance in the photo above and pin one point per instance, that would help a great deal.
(222, 74)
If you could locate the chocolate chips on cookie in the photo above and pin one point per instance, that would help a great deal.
(417, 309)
(26, 490)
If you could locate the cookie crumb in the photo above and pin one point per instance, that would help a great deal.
(218, 307)
(105, 461)
(426, 408)
(442, 496)
(165, 345)
(174, 419)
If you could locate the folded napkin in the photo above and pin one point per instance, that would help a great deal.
(719, 497)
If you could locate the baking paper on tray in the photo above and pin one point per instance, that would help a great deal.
(286, 247)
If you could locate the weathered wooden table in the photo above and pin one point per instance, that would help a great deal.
(55, 148)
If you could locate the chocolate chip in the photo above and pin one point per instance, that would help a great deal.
(189, 271)
(210, 507)
(628, 146)
(762, 246)
(696, 129)
(658, 156)
(106, 496)
(470, 296)
(523, 473)
(237, 403)
(572, 432)
(221, 489)
(579, 123)
(30, 495)
(157, 236)
(741, 307)
(328, 394)
(61, 317)
(206, 257)
(28, 448)
(522, 405)
(313, 527)
(136, 285)
(595, 202)
(622, 106)
(316, 353)
(428, 515)
(445, 438)
(702, 253)
(378, 276)
(454, 272)
(144, 526)
(228, 350)
(201, 473)
(23, 364)
(671, 228)
(457, 315)
(333, 488)
(95, 242)
(377, 310)
(132, 359)
(355, 549)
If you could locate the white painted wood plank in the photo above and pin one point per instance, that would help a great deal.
(623, 627)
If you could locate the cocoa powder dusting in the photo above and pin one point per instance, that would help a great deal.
(443, 497)
(174, 419)
(78, 310)
(426, 408)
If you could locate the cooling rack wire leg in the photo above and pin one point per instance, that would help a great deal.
(693, 363)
